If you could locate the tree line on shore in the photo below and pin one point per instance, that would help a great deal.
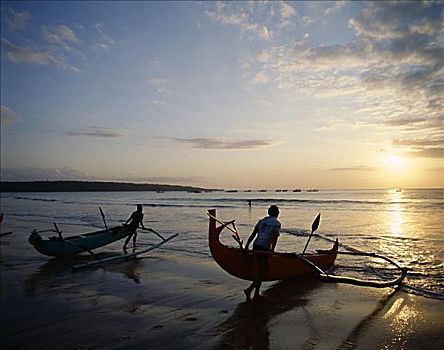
(91, 186)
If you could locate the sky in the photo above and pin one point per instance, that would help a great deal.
(245, 95)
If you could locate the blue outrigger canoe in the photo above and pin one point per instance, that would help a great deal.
(59, 246)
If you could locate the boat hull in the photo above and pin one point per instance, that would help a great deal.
(281, 266)
(73, 245)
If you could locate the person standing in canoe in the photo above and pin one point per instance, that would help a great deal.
(134, 221)
(267, 232)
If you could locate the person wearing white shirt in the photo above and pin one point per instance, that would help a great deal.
(266, 232)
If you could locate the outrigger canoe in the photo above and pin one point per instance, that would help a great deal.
(59, 246)
(282, 266)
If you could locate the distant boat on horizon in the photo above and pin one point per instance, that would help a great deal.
(312, 190)
(398, 190)
(297, 190)
(231, 191)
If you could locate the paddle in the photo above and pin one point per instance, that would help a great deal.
(314, 227)
(103, 217)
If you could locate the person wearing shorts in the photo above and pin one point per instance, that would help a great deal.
(266, 232)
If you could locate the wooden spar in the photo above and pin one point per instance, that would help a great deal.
(324, 277)
(364, 283)
(155, 232)
(123, 256)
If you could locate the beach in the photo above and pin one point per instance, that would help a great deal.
(171, 301)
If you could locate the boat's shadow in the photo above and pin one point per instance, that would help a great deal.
(58, 273)
(248, 326)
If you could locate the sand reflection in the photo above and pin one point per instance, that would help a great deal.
(56, 275)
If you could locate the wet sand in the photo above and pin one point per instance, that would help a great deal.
(174, 300)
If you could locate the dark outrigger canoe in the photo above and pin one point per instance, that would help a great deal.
(282, 266)
(59, 246)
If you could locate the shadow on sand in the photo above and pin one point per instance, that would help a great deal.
(56, 274)
(248, 327)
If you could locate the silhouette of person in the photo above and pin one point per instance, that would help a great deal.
(267, 232)
(134, 221)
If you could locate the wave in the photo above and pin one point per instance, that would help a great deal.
(207, 201)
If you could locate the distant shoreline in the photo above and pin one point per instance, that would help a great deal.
(93, 186)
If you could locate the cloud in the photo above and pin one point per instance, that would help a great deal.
(261, 78)
(60, 35)
(97, 132)
(72, 174)
(264, 56)
(429, 142)
(106, 42)
(426, 147)
(17, 20)
(243, 15)
(8, 116)
(355, 168)
(337, 6)
(19, 55)
(163, 179)
(429, 153)
(157, 81)
(287, 11)
(392, 70)
(214, 143)
(43, 174)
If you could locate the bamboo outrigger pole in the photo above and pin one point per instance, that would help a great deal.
(123, 256)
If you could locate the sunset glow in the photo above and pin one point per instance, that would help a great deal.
(224, 94)
(395, 162)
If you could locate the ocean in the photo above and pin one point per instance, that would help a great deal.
(405, 226)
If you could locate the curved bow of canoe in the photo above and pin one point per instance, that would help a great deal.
(282, 266)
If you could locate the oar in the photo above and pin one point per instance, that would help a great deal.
(103, 217)
(314, 227)
(157, 233)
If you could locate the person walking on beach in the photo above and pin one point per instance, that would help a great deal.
(134, 221)
(267, 232)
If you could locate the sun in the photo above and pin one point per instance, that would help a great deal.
(395, 162)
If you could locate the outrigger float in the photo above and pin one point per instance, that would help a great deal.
(63, 247)
(282, 266)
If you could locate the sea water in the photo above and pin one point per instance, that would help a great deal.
(406, 226)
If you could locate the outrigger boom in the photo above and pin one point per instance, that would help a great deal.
(123, 256)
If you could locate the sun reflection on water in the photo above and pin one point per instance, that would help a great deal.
(396, 219)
